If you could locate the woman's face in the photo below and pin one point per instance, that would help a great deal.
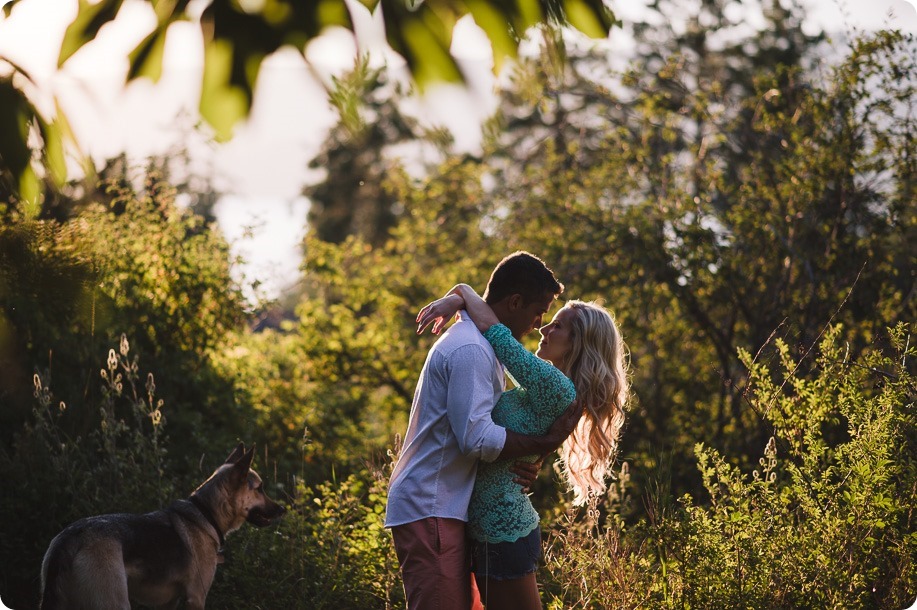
(555, 337)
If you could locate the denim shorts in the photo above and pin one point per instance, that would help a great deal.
(506, 560)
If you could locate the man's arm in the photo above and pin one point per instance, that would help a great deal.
(519, 445)
(469, 402)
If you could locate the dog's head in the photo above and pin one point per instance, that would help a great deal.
(247, 490)
(234, 494)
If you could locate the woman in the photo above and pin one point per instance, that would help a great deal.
(580, 358)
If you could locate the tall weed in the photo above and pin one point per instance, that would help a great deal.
(59, 477)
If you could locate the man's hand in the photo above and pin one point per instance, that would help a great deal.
(526, 473)
(564, 425)
(518, 445)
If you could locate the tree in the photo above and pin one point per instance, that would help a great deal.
(351, 199)
(715, 208)
(130, 261)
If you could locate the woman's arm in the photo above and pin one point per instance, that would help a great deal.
(546, 386)
(481, 313)
(547, 389)
(462, 296)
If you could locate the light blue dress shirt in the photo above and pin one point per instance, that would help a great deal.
(450, 428)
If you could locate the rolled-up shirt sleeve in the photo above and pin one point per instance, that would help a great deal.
(469, 402)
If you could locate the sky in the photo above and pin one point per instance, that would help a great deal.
(262, 168)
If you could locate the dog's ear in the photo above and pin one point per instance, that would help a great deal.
(242, 466)
(237, 453)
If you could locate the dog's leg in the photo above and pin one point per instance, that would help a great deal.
(199, 585)
(52, 578)
(98, 579)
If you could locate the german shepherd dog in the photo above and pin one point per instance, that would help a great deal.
(158, 559)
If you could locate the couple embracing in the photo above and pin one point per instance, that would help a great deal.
(457, 500)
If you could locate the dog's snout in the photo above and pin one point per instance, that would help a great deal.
(262, 516)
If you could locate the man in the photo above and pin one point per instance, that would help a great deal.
(450, 429)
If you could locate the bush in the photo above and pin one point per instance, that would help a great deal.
(58, 478)
(825, 521)
(330, 551)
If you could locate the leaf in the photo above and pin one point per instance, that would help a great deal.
(84, 160)
(326, 13)
(30, 192)
(423, 40)
(15, 112)
(17, 116)
(89, 20)
(430, 59)
(497, 30)
(591, 18)
(222, 104)
(7, 8)
(530, 12)
(53, 150)
(146, 58)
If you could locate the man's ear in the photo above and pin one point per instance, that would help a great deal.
(515, 302)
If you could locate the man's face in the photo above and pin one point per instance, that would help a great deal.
(523, 318)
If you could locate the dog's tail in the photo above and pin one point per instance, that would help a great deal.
(52, 570)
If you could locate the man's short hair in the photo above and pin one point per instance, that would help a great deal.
(521, 273)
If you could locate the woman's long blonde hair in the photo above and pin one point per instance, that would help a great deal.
(596, 365)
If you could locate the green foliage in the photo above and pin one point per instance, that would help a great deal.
(20, 184)
(175, 293)
(748, 221)
(717, 219)
(131, 262)
(591, 563)
(825, 520)
(356, 157)
(54, 477)
(237, 39)
(822, 522)
(330, 551)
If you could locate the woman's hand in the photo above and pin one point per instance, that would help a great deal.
(439, 312)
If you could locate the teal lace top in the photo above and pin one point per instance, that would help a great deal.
(498, 510)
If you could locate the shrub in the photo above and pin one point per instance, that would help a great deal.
(330, 551)
(826, 520)
(58, 478)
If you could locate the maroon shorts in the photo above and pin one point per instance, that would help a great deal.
(435, 562)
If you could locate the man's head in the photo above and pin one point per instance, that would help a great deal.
(521, 289)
